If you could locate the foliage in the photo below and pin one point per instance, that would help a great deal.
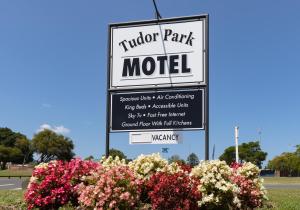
(251, 152)
(251, 191)
(9, 154)
(176, 159)
(91, 157)
(224, 187)
(14, 147)
(114, 152)
(192, 160)
(54, 184)
(173, 191)
(24, 145)
(146, 165)
(216, 187)
(248, 152)
(146, 182)
(8, 137)
(110, 188)
(52, 146)
(112, 162)
(185, 167)
(229, 155)
(287, 163)
(297, 150)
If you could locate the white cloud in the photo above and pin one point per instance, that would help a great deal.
(57, 129)
(61, 129)
(45, 105)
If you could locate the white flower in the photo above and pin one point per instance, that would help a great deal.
(237, 202)
(215, 181)
(44, 165)
(110, 162)
(145, 165)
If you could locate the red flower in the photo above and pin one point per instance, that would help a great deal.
(173, 191)
(55, 185)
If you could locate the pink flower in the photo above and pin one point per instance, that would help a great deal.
(115, 187)
(55, 184)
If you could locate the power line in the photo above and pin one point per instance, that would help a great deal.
(157, 14)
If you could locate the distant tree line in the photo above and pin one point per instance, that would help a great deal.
(47, 145)
(14, 147)
(288, 163)
(191, 160)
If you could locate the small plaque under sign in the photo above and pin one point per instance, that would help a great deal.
(161, 137)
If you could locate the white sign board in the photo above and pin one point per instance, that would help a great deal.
(160, 137)
(158, 54)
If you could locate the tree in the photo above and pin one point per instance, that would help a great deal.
(24, 145)
(8, 137)
(5, 154)
(248, 152)
(288, 163)
(114, 152)
(9, 154)
(52, 146)
(176, 159)
(228, 155)
(297, 150)
(14, 147)
(91, 157)
(192, 160)
(251, 152)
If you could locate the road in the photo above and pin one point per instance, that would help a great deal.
(11, 184)
(282, 186)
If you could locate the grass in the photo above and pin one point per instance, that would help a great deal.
(12, 199)
(282, 180)
(280, 199)
(23, 172)
(284, 199)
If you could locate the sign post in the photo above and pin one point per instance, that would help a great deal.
(158, 76)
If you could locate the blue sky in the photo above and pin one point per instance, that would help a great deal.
(53, 70)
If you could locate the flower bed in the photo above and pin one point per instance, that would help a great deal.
(147, 182)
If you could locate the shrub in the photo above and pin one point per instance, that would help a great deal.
(110, 161)
(173, 191)
(54, 184)
(147, 182)
(251, 190)
(146, 165)
(217, 190)
(110, 188)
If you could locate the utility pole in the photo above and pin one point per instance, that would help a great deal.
(236, 137)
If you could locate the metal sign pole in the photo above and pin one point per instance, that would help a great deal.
(207, 91)
(107, 124)
(108, 96)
